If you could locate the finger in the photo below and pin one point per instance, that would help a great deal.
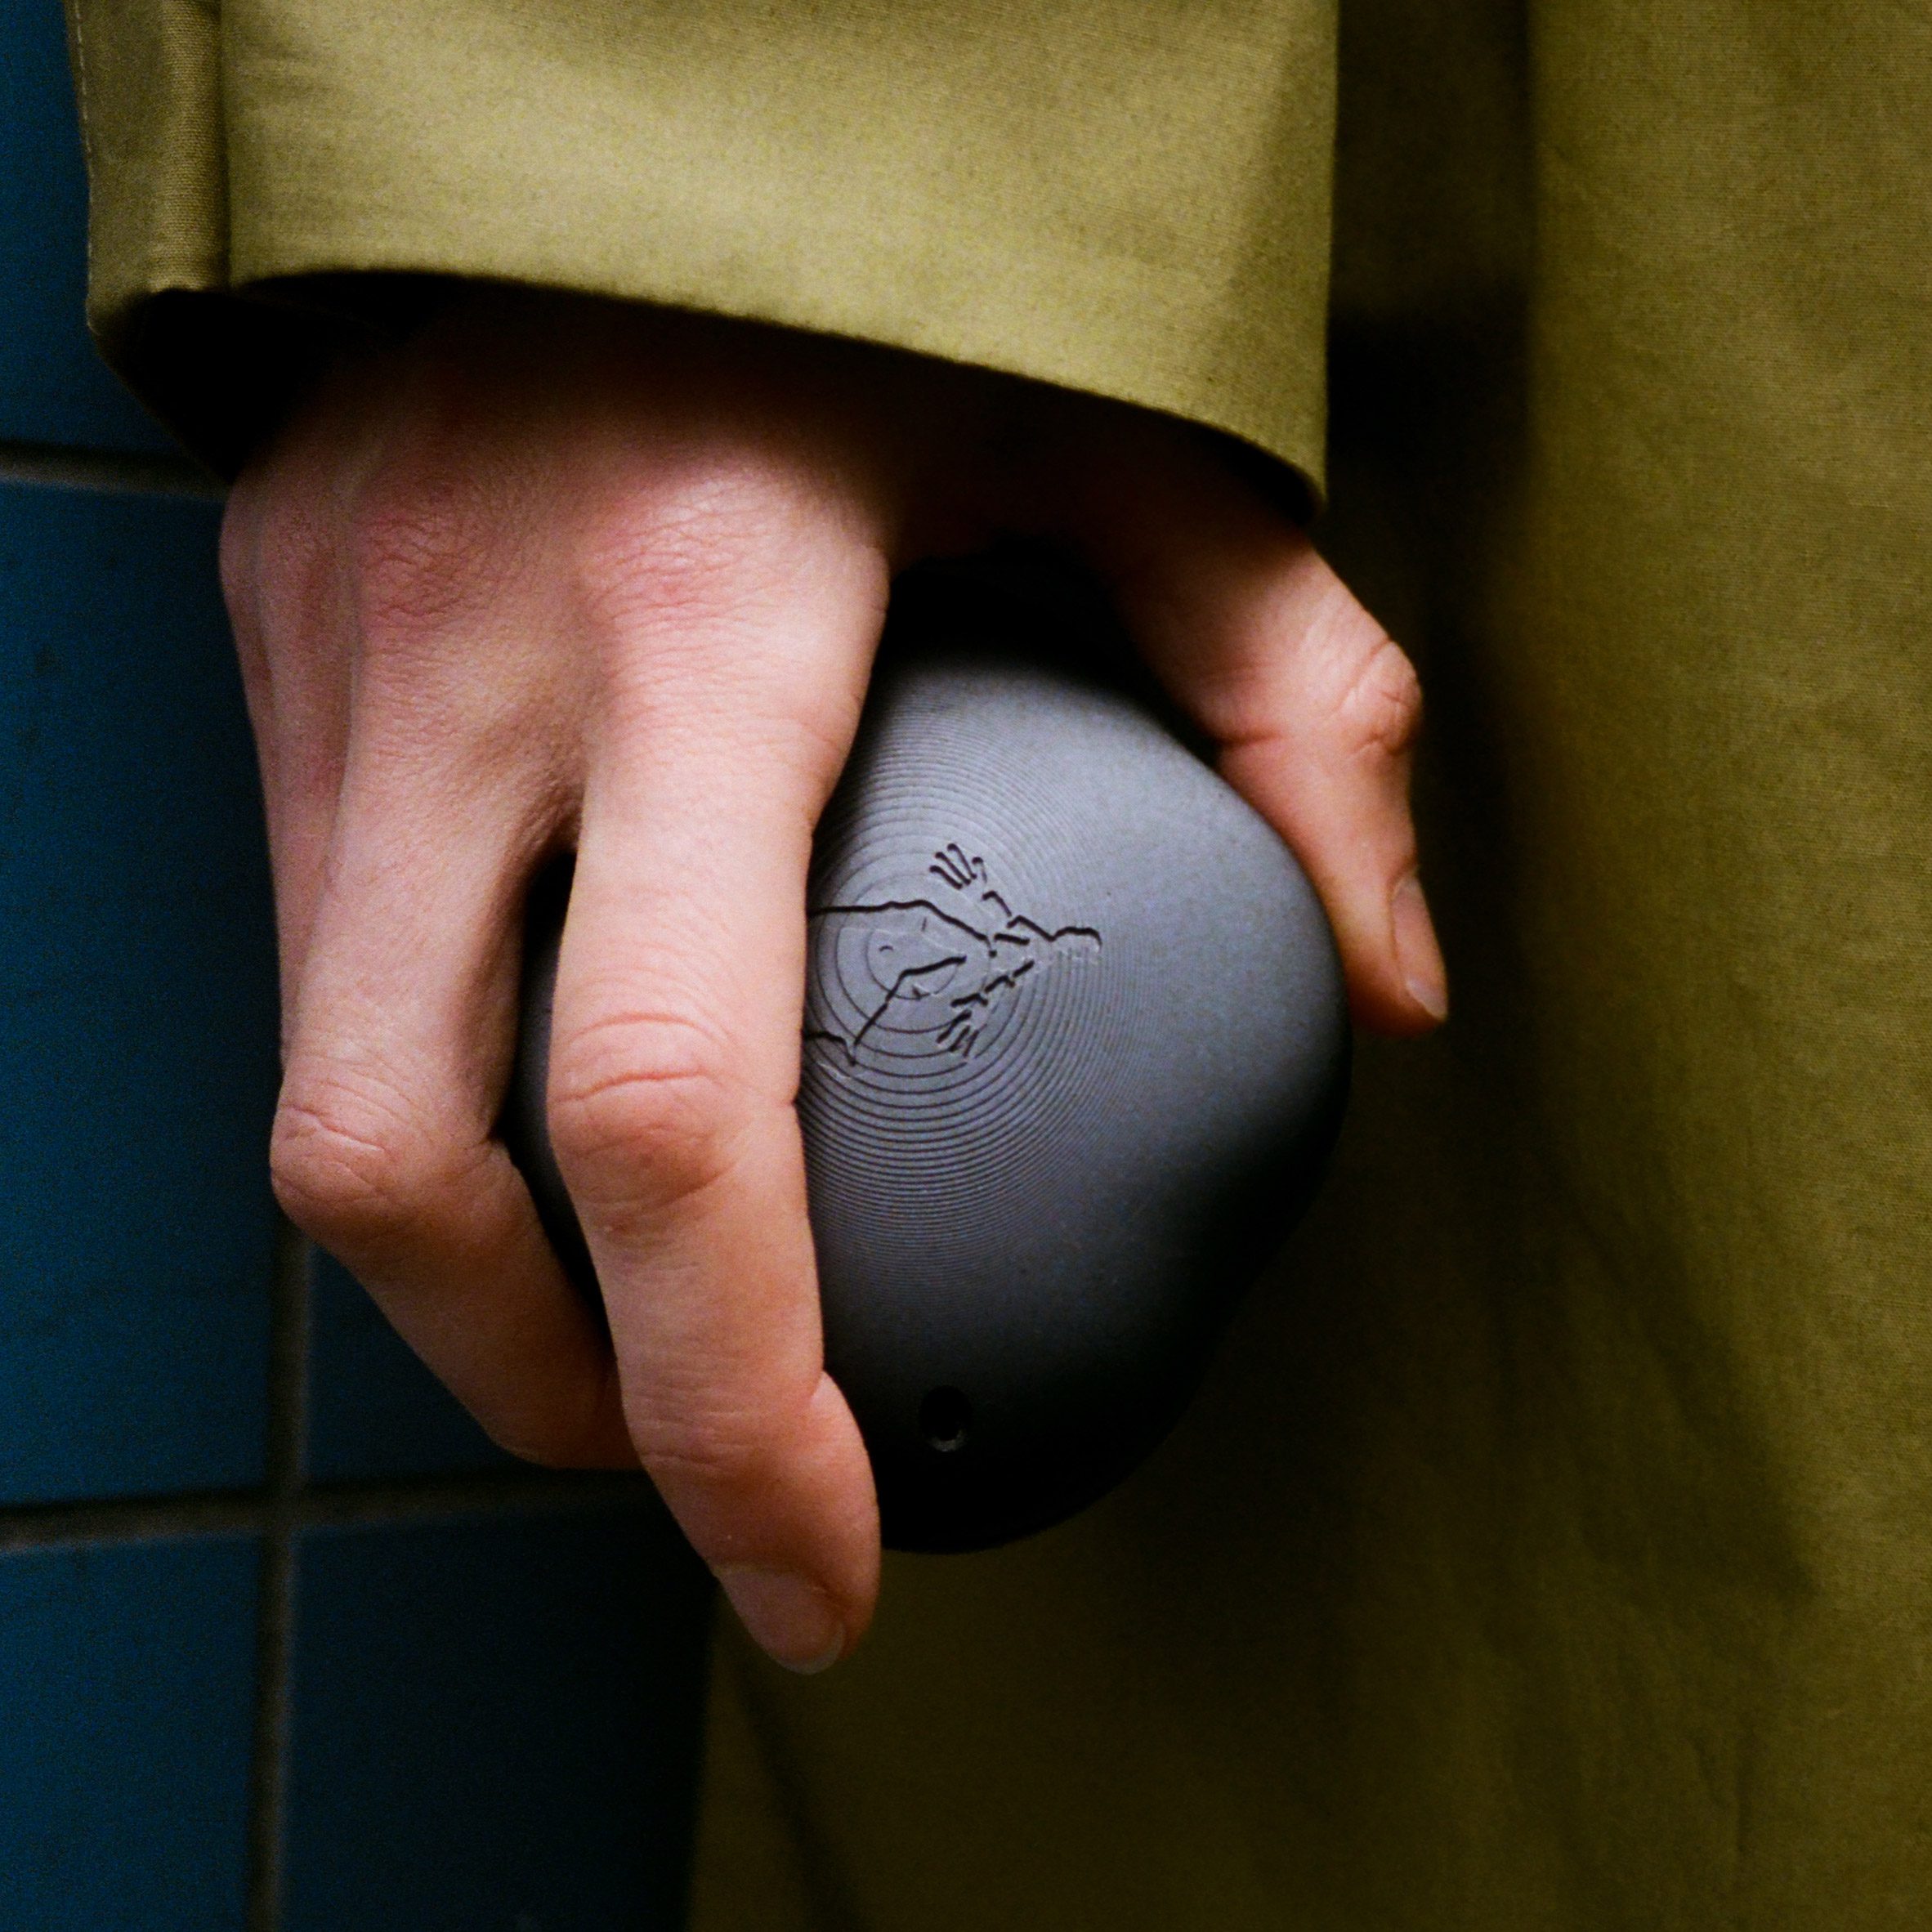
(675, 1063)
(383, 1148)
(1315, 709)
(292, 615)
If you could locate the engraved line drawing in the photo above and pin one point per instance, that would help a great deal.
(965, 945)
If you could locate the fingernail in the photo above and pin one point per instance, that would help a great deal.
(1416, 953)
(790, 1618)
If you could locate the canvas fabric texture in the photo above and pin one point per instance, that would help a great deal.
(1550, 1547)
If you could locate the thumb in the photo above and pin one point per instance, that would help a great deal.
(1314, 707)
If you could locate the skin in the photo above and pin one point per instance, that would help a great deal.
(555, 574)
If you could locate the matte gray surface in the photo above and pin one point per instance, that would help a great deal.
(1074, 1048)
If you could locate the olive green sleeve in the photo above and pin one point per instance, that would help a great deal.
(1129, 197)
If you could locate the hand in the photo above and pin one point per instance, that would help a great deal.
(560, 574)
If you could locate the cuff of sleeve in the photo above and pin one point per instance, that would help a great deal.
(1129, 198)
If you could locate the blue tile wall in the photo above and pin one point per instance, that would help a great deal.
(494, 1722)
(495, 1726)
(137, 1015)
(127, 1686)
(53, 386)
(374, 1412)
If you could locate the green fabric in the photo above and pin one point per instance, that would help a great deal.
(1120, 197)
(157, 215)
(1553, 1547)
(1550, 1546)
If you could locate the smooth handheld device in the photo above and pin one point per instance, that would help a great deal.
(1075, 1050)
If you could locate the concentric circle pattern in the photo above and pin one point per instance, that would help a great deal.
(1074, 1048)
(1073, 1038)
(960, 992)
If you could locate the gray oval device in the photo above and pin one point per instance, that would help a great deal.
(1075, 1048)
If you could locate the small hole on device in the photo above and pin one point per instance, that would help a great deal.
(945, 1415)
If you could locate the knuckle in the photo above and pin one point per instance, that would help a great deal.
(716, 1449)
(352, 1167)
(692, 549)
(419, 543)
(642, 1109)
(1378, 708)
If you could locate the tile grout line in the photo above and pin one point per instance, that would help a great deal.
(353, 1503)
(52, 466)
(288, 1380)
(138, 1519)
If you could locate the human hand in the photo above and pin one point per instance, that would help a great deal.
(562, 574)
